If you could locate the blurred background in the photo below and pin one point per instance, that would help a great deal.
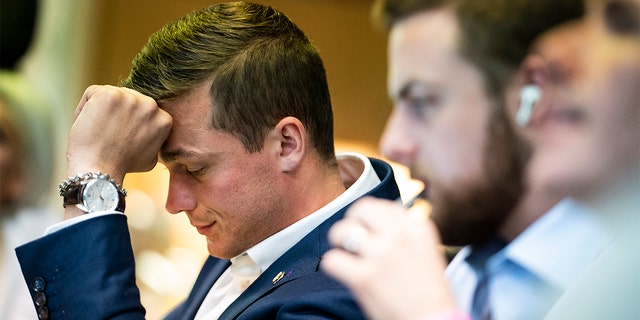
(77, 43)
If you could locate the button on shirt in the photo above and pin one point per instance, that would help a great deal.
(529, 274)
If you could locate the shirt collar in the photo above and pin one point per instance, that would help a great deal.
(270, 249)
(557, 245)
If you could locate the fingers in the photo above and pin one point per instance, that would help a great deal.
(378, 246)
(344, 266)
(365, 220)
(116, 130)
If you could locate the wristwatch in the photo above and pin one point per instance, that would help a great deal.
(93, 192)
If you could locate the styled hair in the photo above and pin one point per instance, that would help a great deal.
(263, 69)
(495, 35)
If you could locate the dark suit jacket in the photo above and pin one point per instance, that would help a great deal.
(86, 271)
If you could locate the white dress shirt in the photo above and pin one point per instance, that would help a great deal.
(530, 273)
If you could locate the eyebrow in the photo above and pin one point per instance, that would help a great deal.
(173, 155)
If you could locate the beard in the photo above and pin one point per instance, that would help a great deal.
(472, 213)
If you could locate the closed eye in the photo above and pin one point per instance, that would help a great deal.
(421, 99)
(195, 172)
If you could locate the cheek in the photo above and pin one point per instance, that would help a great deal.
(242, 189)
(222, 193)
(614, 114)
(566, 166)
(466, 144)
(454, 157)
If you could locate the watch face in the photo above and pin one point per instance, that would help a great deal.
(100, 195)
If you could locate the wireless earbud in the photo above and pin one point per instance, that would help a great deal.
(529, 95)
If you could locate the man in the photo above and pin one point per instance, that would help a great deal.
(452, 70)
(235, 100)
(589, 147)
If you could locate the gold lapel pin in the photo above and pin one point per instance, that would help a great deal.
(278, 277)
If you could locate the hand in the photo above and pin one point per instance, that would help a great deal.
(116, 130)
(397, 270)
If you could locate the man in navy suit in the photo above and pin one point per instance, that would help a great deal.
(235, 101)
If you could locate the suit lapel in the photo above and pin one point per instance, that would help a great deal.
(210, 272)
(301, 260)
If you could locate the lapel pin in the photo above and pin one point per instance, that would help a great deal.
(278, 277)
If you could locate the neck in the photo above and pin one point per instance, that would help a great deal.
(312, 189)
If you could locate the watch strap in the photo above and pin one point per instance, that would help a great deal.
(72, 189)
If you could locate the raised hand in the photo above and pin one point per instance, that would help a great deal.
(116, 130)
(390, 260)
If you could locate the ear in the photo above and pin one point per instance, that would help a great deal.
(533, 87)
(291, 139)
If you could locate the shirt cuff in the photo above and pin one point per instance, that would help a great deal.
(69, 222)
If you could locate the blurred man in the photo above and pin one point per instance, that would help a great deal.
(452, 73)
(589, 147)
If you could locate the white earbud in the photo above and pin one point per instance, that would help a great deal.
(529, 96)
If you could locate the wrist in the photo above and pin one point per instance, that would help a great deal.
(114, 175)
(72, 212)
(92, 162)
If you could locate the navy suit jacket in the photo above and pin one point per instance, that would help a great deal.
(86, 271)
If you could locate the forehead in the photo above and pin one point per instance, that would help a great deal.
(436, 26)
(423, 47)
(192, 115)
(191, 107)
(418, 41)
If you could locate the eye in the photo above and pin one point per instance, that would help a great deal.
(195, 172)
(622, 17)
(420, 100)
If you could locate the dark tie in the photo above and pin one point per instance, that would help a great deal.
(478, 259)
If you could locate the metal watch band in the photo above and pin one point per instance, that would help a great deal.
(71, 189)
(62, 187)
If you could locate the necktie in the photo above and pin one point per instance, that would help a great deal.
(477, 259)
(242, 272)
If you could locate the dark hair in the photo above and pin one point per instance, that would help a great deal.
(262, 65)
(17, 26)
(495, 35)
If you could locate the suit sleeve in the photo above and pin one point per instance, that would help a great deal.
(83, 271)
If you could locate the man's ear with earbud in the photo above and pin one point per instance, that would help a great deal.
(532, 77)
(529, 96)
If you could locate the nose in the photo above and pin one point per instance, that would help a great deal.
(397, 143)
(181, 196)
